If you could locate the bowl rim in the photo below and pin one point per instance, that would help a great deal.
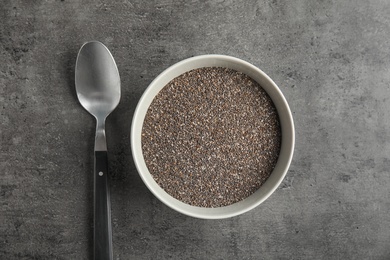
(137, 124)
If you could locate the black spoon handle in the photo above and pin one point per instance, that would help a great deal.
(102, 206)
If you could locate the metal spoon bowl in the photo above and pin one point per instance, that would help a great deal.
(98, 90)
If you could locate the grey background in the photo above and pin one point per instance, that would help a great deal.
(331, 60)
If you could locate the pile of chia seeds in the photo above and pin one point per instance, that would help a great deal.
(211, 137)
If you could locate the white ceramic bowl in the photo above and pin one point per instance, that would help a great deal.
(285, 117)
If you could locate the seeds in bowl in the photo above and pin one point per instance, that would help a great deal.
(211, 137)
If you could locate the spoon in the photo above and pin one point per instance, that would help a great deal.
(98, 90)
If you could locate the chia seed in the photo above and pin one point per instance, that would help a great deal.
(211, 137)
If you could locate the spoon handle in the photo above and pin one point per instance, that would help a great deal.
(102, 217)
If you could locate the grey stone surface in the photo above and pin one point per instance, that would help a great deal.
(331, 60)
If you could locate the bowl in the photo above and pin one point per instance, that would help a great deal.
(286, 123)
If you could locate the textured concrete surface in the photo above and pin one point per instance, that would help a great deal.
(331, 59)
